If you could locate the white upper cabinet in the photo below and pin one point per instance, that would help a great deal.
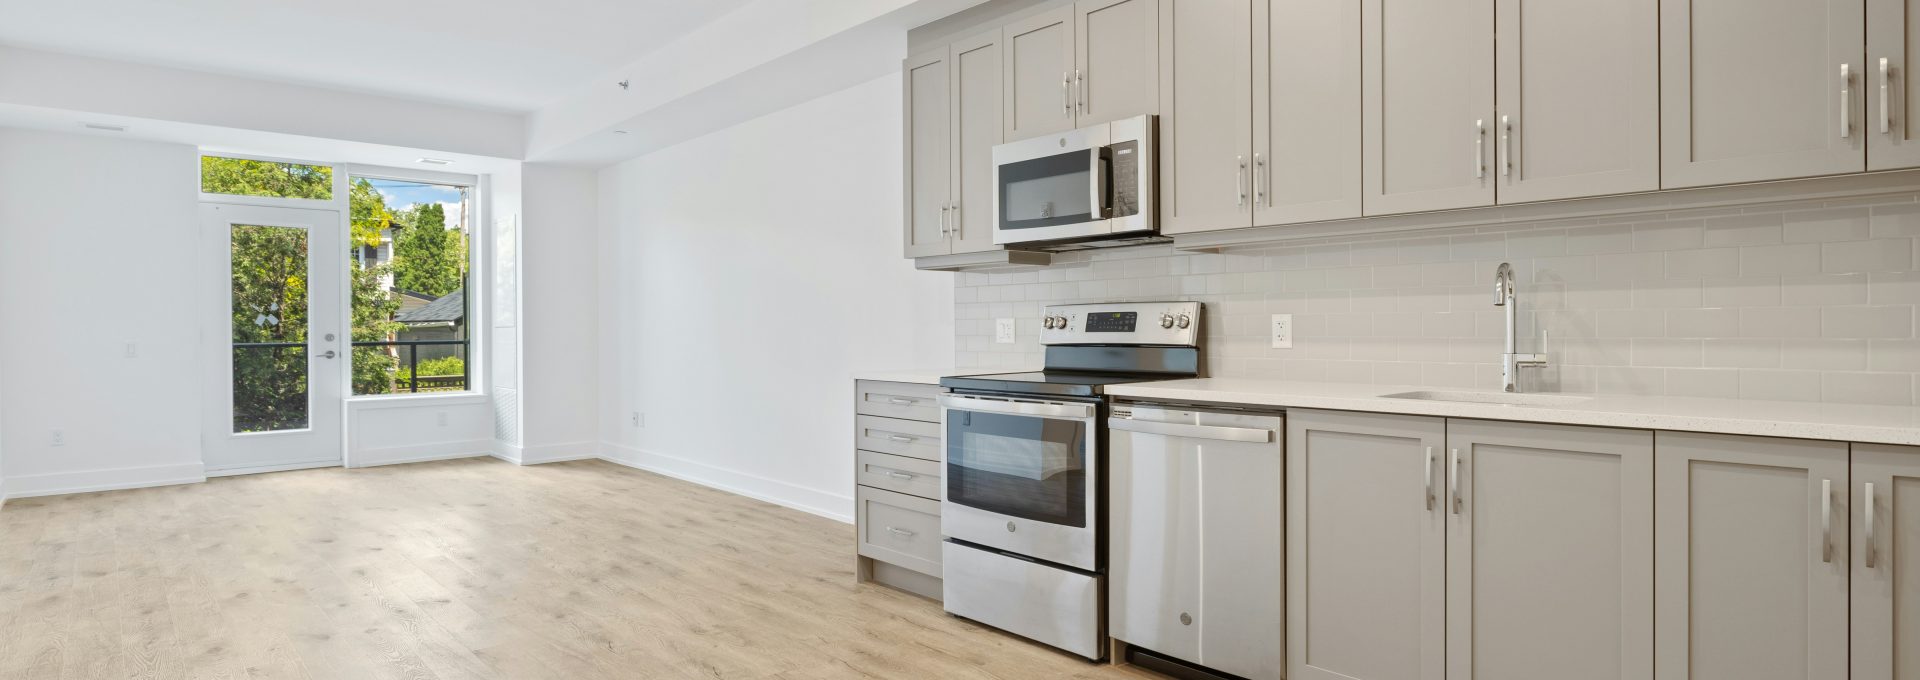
(1578, 98)
(928, 142)
(1427, 104)
(976, 71)
(1306, 111)
(1206, 115)
(1039, 83)
(1755, 90)
(1117, 72)
(1893, 142)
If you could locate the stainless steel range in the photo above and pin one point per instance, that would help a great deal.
(1024, 510)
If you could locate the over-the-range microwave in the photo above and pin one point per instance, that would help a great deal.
(1091, 184)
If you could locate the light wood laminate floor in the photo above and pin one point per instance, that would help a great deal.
(465, 569)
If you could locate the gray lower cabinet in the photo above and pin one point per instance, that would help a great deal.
(1751, 575)
(1195, 568)
(1549, 551)
(897, 473)
(1886, 562)
(1366, 547)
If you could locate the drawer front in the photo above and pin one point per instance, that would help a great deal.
(911, 438)
(900, 529)
(898, 400)
(911, 476)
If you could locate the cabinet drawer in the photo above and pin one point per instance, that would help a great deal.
(910, 438)
(898, 400)
(911, 476)
(899, 529)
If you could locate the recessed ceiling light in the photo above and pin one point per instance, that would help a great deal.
(104, 126)
(434, 161)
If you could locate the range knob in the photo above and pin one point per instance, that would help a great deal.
(1184, 321)
(1060, 322)
(1166, 320)
(1046, 322)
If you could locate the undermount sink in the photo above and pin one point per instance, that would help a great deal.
(1490, 398)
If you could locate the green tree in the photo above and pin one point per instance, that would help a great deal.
(247, 177)
(367, 211)
(269, 274)
(427, 257)
(373, 309)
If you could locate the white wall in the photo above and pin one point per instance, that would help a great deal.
(560, 301)
(744, 276)
(413, 430)
(98, 242)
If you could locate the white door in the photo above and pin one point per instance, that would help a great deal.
(275, 341)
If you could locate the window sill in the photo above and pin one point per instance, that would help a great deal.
(378, 401)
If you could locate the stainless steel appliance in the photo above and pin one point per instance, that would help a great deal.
(1197, 531)
(1024, 504)
(1093, 183)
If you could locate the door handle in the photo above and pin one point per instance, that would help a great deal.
(957, 224)
(1846, 101)
(903, 438)
(901, 401)
(1191, 431)
(903, 533)
(943, 220)
(1826, 520)
(1886, 117)
(329, 354)
(1872, 548)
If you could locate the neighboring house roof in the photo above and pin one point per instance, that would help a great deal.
(410, 301)
(450, 308)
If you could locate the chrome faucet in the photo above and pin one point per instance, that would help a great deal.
(1511, 361)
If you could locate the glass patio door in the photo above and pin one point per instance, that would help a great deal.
(277, 348)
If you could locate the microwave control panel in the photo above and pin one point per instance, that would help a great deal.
(1125, 157)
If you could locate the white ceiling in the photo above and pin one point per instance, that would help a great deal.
(509, 55)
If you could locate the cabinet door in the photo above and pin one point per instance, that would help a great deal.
(1750, 558)
(1306, 111)
(1206, 115)
(1241, 599)
(1366, 547)
(1428, 104)
(1893, 142)
(1119, 60)
(1579, 98)
(976, 129)
(1751, 90)
(928, 144)
(1549, 552)
(1154, 549)
(1886, 583)
(1038, 74)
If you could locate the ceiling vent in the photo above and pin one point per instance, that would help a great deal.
(434, 161)
(104, 126)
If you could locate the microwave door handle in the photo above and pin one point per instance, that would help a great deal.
(1102, 171)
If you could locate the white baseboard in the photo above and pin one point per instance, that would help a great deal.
(88, 481)
(811, 501)
(559, 453)
(505, 451)
(420, 453)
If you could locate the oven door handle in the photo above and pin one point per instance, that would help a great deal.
(1024, 408)
(1232, 434)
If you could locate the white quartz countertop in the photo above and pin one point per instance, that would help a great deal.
(924, 376)
(1839, 422)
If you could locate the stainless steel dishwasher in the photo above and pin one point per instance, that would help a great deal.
(1196, 545)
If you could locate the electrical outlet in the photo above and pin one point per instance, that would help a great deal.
(441, 417)
(639, 419)
(1003, 331)
(133, 350)
(1283, 331)
(59, 438)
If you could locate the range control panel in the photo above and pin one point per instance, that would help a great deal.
(1174, 324)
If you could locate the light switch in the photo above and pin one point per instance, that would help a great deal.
(1283, 331)
(1003, 331)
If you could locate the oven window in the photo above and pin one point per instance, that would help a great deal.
(1047, 192)
(1020, 466)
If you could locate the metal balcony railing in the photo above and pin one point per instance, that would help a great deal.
(414, 381)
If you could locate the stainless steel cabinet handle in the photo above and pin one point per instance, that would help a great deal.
(900, 401)
(903, 533)
(943, 221)
(903, 438)
(1480, 148)
(1872, 546)
(902, 476)
(1191, 431)
(957, 224)
(1080, 90)
(1453, 481)
(1260, 179)
(1240, 181)
(1429, 479)
(1506, 146)
(1066, 89)
(1826, 520)
(1846, 101)
(1886, 118)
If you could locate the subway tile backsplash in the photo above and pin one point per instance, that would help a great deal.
(1804, 302)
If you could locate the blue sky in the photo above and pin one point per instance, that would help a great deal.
(401, 195)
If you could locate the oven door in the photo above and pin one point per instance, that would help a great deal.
(1022, 476)
(1051, 188)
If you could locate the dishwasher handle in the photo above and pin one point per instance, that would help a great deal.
(1190, 431)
